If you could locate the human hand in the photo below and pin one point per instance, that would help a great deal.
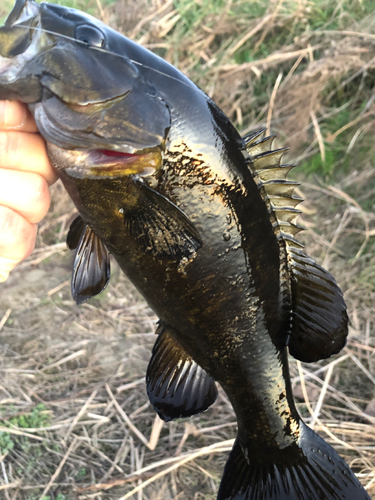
(25, 174)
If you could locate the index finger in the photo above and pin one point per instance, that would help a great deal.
(26, 152)
(14, 115)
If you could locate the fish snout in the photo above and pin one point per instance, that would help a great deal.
(22, 11)
(16, 37)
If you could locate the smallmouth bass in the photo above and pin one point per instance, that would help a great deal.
(203, 222)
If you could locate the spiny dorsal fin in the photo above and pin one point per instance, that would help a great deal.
(254, 137)
(264, 145)
(268, 159)
(287, 227)
(271, 178)
(278, 187)
(286, 214)
(282, 202)
(271, 172)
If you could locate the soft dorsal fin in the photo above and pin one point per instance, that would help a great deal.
(318, 312)
(319, 321)
(176, 386)
(91, 268)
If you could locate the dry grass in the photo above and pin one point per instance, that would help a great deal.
(96, 435)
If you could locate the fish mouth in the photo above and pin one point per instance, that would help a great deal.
(20, 41)
(105, 163)
(23, 10)
(17, 34)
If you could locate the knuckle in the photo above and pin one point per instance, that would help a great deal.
(17, 236)
(9, 145)
(40, 199)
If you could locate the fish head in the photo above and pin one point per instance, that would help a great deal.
(85, 91)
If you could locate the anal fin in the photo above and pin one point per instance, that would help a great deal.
(91, 268)
(177, 387)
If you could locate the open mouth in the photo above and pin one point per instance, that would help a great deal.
(105, 163)
(109, 163)
(115, 154)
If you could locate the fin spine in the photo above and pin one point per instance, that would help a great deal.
(278, 194)
(253, 137)
(270, 175)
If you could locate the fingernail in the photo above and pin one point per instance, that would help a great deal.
(12, 115)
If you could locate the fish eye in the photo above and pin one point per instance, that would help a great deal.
(90, 35)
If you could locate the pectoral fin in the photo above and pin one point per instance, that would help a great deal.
(176, 385)
(160, 227)
(320, 321)
(91, 268)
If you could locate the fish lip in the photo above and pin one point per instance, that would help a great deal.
(95, 164)
(100, 160)
(22, 11)
(87, 107)
(26, 15)
(143, 164)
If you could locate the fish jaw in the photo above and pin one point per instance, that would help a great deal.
(22, 11)
(19, 38)
(20, 41)
(102, 163)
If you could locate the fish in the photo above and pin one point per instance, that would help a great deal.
(203, 222)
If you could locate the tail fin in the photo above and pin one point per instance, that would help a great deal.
(312, 471)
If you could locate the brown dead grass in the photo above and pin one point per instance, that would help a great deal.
(87, 364)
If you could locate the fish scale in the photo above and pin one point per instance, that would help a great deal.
(203, 222)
